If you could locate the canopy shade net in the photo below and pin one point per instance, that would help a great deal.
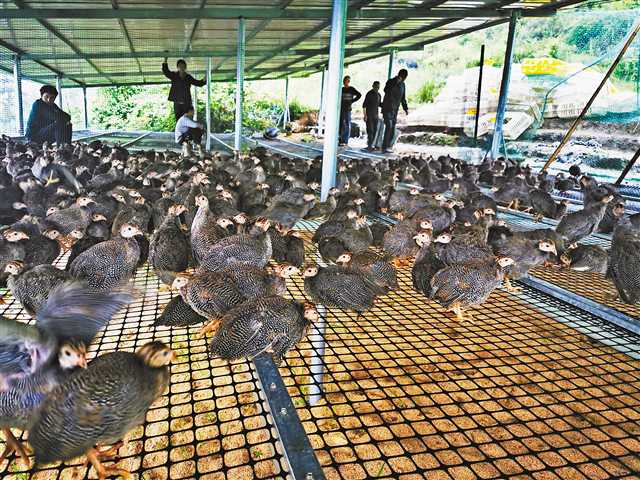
(108, 42)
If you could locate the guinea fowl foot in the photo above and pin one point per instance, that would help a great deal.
(93, 456)
(210, 327)
(401, 262)
(538, 218)
(462, 316)
(611, 297)
(108, 454)
(13, 445)
(510, 288)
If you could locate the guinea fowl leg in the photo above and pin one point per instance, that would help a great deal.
(510, 288)
(103, 472)
(538, 218)
(51, 180)
(13, 445)
(401, 262)
(461, 316)
(210, 327)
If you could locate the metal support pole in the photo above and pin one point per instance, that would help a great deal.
(628, 168)
(59, 88)
(17, 77)
(239, 85)
(392, 61)
(321, 112)
(195, 103)
(504, 86)
(630, 38)
(208, 110)
(85, 109)
(480, 73)
(336, 57)
(286, 118)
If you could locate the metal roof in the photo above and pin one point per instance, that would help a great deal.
(105, 42)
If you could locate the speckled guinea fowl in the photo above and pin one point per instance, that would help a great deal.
(399, 241)
(32, 287)
(270, 324)
(177, 313)
(35, 359)
(527, 254)
(624, 265)
(342, 287)
(11, 248)
(357, 238)
(427, 264)
(333, 228)
(74, 218)
(169, 248)
(463, 285)
(241, 248)
(100, 405)
(544, 205)
(377, 267)
(586, 258)
(288, 246)
(577, 225)
(109, 263)
(206, 229)
(42, 248)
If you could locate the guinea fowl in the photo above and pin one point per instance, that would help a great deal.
(613, 214)
(357, 238)
(119, 387)
(169, 247)
(74, 218)
(464, 285)
(333, 228)
(12, 247)
(586, 258)
(399, 241)
(624, 265)
(34, 359)
(440, 216)
(31, 287)
(527, 254)
(265, 325)
(326, 208)
(341, 287)
(544, 205)
(110, 263)
(577, 225)
(177, 313)
(241, 248)
(427, 263)
(287, 245)
(377, 267)
(206, 229)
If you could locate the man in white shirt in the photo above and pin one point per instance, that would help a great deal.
(187, 130)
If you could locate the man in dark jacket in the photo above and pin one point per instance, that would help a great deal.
(371, 107)
(394, 96)
(47, 122)
(180, 92)
(349, 96)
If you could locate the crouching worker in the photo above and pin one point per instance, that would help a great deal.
(47, 122)
(188, 130)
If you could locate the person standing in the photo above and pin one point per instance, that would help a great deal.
(180, 92)
(48, 122)
(349, 96)
(394, 96)
(188, 130)
(371, 107)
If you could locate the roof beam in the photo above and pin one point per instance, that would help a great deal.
(355, 13)
(156, 73)
(265, 23)
(22, 6)
(125, 32)
(194, 27)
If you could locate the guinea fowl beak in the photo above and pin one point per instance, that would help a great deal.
(83, 362)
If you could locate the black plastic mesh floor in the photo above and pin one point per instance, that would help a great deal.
(533, 389)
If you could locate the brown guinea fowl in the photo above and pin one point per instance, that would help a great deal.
(577, 225)
(464, 285)
(377, 267)
(526, 254)
(399, 241)
(32, 287)
(206, 229)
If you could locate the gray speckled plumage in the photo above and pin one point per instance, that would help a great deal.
(211, 294)
(168, 250)
(239, 249)
(426, 265)
(377, 267)
(624, 265)
(32, 287)
(577, 225)
(341, 287)
(589, 258)
(266, 324)
(178, 314)
(99, 404)
(399, 241)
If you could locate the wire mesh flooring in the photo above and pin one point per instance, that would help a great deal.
(534, 388)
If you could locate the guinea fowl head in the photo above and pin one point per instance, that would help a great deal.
(359, 201)
(334, 191)
(51, 211)
(618, 209)
(308, 197)
(344, 258)
(177, 209)
(51, 233)
(156, 354)
(286, 271)
(140, 201)
(310, 312)
(118, 197)
(15, 267)
(310, 271)
(72, 355)
(414, 191)
(426, 225)
(565, 260)
(547, 246)
(179, 282)
(240, 219)
(443, 238)
(422, 239)
(11, 235)
(129, 231)
(505, 261)
(351, 214)
(224, 222)
(607, 199)
(85, 201)
(263, 223)
(489, 211)
(202, 201)
(77, 234)
(98, 217)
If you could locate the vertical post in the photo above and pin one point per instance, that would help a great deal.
(504, 86)
(628, 168)
(392, 61)
(321, 112)
(480, 72)
(208, 110)
(286, 118)
(84, 108)
(59, 88)
(17, 77)
(336, 57)
(239, 85)
(195, 103)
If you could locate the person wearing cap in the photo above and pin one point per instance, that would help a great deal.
(180, 91)
(48, 122)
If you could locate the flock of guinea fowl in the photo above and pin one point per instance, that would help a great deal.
(221, 232)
